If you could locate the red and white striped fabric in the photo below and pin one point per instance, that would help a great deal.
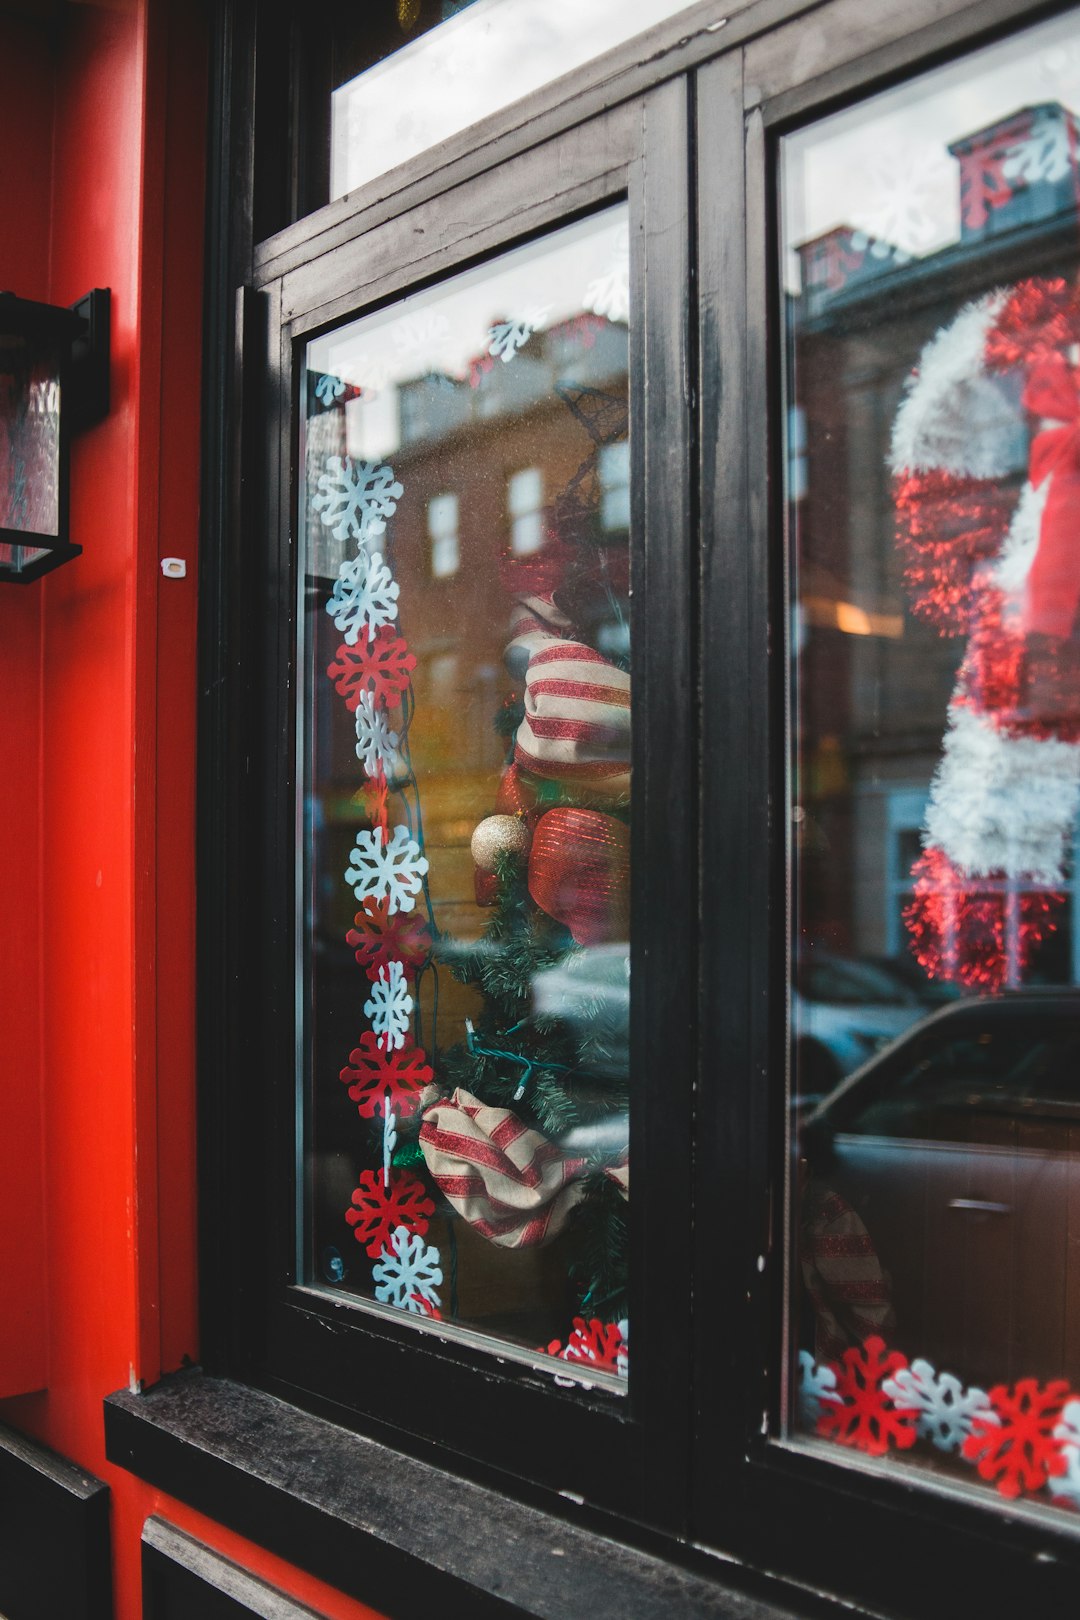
(511, 1184)
(850, 1291)
(577, 718)
(535, 622)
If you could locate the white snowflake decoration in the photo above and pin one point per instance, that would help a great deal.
(506, 337)
(1067, 1432)
(364, 597)
(425, 331)
(329, 388)
(389, 1139)
(393, 872)
(390, 1007)
(609, 294)
(817, 1389)
(357, 496)
(911, 206)
(408, 1273)
(946, 1410)
(375, 742)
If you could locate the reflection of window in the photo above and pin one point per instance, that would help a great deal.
(442, 522)
(615, 485)
(524, 494)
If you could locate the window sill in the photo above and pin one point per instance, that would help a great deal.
(393, 1531)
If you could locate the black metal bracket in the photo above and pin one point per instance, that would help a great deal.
(88, 378)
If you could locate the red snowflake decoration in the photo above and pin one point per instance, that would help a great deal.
(381, 937)
(1015, 1448)
(424, 1307)
(382, 666)
(372, 799)
(600, 1344)
(959, 930)
(377, 1209)
(864, 1416)
(372, 1074)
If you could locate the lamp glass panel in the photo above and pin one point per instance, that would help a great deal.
(29, 440)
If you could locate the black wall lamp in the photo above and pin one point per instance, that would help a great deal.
(54, 380)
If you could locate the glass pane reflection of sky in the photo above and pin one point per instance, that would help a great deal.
(488, 56)
(888, 172)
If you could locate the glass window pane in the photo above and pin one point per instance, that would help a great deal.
(492, 54)
(932, 319)
(465, 752)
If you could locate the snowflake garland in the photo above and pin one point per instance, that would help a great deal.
(377, 1210)
(946, 1411)
(381, 665)
(376, 744)
(604, 1346)
(390, 1007)
(329, 388)
(864, 1416)
(381, 937)
(408, 1273)
(356, 498)
(392, 871)
(817, 1389)
(1021, 1438)
(505, 338)
(1065, 1488)
(364, 597)
(608, 295)
(373, 1074)
(1013, 1446)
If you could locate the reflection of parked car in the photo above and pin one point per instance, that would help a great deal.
(842, 1012)
(590, 991)
(959, 1147)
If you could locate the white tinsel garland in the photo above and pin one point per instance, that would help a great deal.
(1003, 805)
(954, 418)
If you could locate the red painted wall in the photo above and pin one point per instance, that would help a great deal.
(97, 734)
(26, 97)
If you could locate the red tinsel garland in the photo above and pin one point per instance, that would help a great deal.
(961, 931)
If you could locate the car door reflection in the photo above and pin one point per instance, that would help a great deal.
(958, 1149)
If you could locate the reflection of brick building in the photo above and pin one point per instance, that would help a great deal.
(874, 680)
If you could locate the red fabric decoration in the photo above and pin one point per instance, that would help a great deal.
(579, 873)
(577, 718)
(512, 1185)
(382, 666)
(842, 1275)
(959, 930)
(1018, 1452)
(1053, 588)
(516, 795)
(377, 1209)
(864, 1416)
(372, 1074)
(381, 937)
(600, 1344)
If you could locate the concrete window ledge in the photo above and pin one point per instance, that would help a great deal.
(408, 1538)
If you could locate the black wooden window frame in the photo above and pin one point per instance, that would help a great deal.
(691, 1461)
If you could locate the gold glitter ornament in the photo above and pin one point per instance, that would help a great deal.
(498, 835)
